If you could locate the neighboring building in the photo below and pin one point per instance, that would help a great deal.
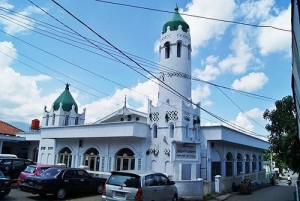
(10, 143)
(168, 138)
(296, 58)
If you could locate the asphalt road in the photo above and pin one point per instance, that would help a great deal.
(19, 195)
(280, 192)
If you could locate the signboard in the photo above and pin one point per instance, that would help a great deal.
(186, 151)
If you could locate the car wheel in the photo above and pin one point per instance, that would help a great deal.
(100, 189)
(60, 193)
(175, 198)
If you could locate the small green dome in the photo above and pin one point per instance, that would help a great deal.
(67, 101)
(174, 22)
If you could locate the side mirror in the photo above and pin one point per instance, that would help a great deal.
(172, 183)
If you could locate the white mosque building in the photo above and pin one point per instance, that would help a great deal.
(168, 138)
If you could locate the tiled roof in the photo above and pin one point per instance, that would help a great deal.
(8, 129)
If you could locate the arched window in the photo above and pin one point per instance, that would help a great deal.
(76, 120)
(92, 159)
(65, 156)
(53, 119)
(171, 130)
(125, 160)
(254, 162)
(229, 164)
(239, 163)
(179, 49)
(259, 163)
(167, 50)
(47, 119)
(189, 52)
(247, 163)
(187, 131)
(67, 120)
(154, 131)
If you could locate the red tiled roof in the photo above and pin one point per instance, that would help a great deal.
(8, 129)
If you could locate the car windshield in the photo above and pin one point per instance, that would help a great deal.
(51, 172)
(30, 169)
(131, 181)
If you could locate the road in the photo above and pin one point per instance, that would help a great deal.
(280, 192)
(16, 194)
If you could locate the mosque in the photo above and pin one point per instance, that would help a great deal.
(168, 138)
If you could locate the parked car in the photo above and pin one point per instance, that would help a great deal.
(32, 170)
(122, 185)
(5, 185)
(12, 167)
(61, 181)
(8, 156)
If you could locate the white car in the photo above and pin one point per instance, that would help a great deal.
(133, 186)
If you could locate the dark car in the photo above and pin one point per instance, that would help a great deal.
(61, 181)
(12, 167)
(5, 185)
(33, 170)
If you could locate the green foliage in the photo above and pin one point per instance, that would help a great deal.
(283, 138)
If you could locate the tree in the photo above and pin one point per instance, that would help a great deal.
(283, 133)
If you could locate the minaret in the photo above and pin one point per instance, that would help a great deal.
(175, 60)
(64, 111)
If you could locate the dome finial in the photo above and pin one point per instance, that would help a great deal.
(176, 8)
(67, 86)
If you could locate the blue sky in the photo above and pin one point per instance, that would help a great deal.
(38, 55)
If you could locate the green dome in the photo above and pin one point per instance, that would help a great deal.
(174, 22)
(66, 99)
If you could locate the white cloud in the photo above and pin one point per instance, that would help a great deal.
(209, 73)
(202, 30)
(200, 93)
(138, 94)
(20, 98)
(17, 23)
(250, 82)
(256, 10)
(248, 119)
(272, 40)
(239, 61)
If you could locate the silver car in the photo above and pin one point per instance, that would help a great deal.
(147, 186)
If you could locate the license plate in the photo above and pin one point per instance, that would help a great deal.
(120, 194)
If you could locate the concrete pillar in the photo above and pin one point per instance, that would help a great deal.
(243, 175)
(251, 169)
(218, 184)
(193, 172)
(235, 167)
(243, 165)
(223, 167)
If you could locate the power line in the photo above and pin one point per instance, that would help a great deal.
(196, 16)
(48, 36)
(172, 90)
(161, 67)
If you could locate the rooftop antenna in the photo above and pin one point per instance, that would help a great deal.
(125, 101)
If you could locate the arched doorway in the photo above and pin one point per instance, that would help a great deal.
(215, 164)
(247, 163)
(254, 162)
(35, 154)
(125, 160)
(239, 163)
(65, 156)
(91, 159)
(229, 164)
